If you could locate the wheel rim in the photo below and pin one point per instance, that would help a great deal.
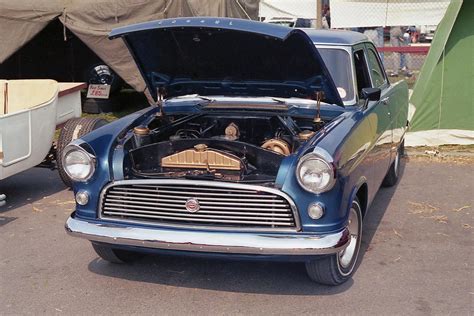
(346, 256)
(101, 74)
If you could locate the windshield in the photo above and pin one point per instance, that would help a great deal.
(338, 63)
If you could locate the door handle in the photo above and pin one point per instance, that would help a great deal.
(385, 100)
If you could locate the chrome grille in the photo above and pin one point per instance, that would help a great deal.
(220, 204)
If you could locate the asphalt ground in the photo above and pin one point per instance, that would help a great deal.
(417, 259)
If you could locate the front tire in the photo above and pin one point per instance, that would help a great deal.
(72, 130)
(338, 268)
(113, 255)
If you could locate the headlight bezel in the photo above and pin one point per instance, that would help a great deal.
(91, 157)
(326, 159)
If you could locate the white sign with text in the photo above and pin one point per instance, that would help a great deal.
(98, 91)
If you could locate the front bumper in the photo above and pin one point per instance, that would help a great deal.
(211, 242)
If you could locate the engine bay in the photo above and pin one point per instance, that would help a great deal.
(228, 147)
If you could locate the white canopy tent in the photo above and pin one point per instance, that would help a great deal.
(367, 13)
(361, 13)
(287, 9)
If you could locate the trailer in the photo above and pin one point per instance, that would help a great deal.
(30, 113)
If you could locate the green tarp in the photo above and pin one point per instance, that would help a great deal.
(444, 92)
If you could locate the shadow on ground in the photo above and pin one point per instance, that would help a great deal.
(220, 275)
(376, 212)
(29, 187)
(240, 276)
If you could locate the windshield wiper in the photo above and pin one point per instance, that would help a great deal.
(280, 100)
(189, 96)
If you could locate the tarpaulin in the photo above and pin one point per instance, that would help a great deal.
(92, 20)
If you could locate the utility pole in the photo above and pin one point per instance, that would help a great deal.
(319, 7)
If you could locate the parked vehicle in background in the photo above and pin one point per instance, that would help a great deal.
(30, 113)
(293, 22)
(268, 142)
(426, 33)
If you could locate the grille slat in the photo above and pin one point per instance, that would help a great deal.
(242, 206)
(183, 214)
(146, 209)
(202, 220)
(203, 206)
(138, 196)
(200, 193)
(180, 206)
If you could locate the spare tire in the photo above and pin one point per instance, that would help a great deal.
(72, 130)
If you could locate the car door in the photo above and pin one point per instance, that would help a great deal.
(392, 97)
(378, 117)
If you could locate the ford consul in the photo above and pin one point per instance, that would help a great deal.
(265, 142)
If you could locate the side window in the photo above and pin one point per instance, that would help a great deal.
(376, 71)
(362, 75)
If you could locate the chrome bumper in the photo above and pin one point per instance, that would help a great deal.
(216, 242)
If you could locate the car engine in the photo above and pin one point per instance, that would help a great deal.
(215, 146)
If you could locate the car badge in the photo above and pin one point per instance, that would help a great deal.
(192, 205)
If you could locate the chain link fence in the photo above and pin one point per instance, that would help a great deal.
(402, 30)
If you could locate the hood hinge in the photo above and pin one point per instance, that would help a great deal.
(161, 93)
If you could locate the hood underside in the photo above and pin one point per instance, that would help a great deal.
(222, 56)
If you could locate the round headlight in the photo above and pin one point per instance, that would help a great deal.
(78, 163)
(315, 174)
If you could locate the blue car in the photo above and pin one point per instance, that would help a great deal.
(264, 142)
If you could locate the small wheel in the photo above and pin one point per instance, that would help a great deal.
(100, 73)
(391, 177)
(339, 267)
(115, 255)
(72, 130)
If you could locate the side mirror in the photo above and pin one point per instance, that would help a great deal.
(371, 94)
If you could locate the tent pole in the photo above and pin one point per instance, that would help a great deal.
(319, 7)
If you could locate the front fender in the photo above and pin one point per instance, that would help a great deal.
(103, 142)
(341, 142)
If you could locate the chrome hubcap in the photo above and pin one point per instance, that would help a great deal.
(346, 255)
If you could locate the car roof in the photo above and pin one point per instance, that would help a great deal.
(335, 37)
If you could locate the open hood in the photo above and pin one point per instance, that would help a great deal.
(224, 56)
